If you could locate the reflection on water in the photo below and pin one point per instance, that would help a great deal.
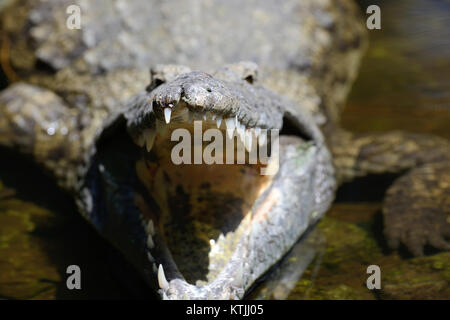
(404, 80)
(404, 83)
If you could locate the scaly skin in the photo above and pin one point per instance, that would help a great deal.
(81, 86)
(315, 68)
(416, 208)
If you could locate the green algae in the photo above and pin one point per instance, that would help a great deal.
(38, 242)
(351, 248)
(418, 278)
(26, 272)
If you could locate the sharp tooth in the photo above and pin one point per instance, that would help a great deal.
(230, 122)
(150, 257)
(149, 135)
(213, 117)
(262, 138)
(150, 243)
(167, 113)
(150, 227)
(242, 136)
(163, 284)
(140, 140)
(241, 132)
(241, 129)
(219, 121)
(149, 146)
(236, 121)
(205, 117)
(248, 140)
(257, 131)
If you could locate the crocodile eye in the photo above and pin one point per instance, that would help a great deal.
(156, 82)
(163, 73)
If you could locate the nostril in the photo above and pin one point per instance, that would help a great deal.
(208, 89)
(249, 79)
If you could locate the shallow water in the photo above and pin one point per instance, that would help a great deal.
(404, 83)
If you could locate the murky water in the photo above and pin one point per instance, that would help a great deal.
(404, 80)
(404, 83)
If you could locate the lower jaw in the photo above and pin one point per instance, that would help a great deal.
(201, 218)
(219, 240)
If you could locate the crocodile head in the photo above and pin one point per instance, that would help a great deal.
(196, 221)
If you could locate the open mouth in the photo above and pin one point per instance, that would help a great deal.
(203, 202)
(228, 183)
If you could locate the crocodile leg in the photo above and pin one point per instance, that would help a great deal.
(40, 124)
(419, 200)
(416, 208)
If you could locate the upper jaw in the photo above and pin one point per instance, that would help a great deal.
(253, 105)
(222, 96)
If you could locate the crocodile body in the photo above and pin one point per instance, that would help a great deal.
(86, 108)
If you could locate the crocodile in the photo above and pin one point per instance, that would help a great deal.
(84, 106)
